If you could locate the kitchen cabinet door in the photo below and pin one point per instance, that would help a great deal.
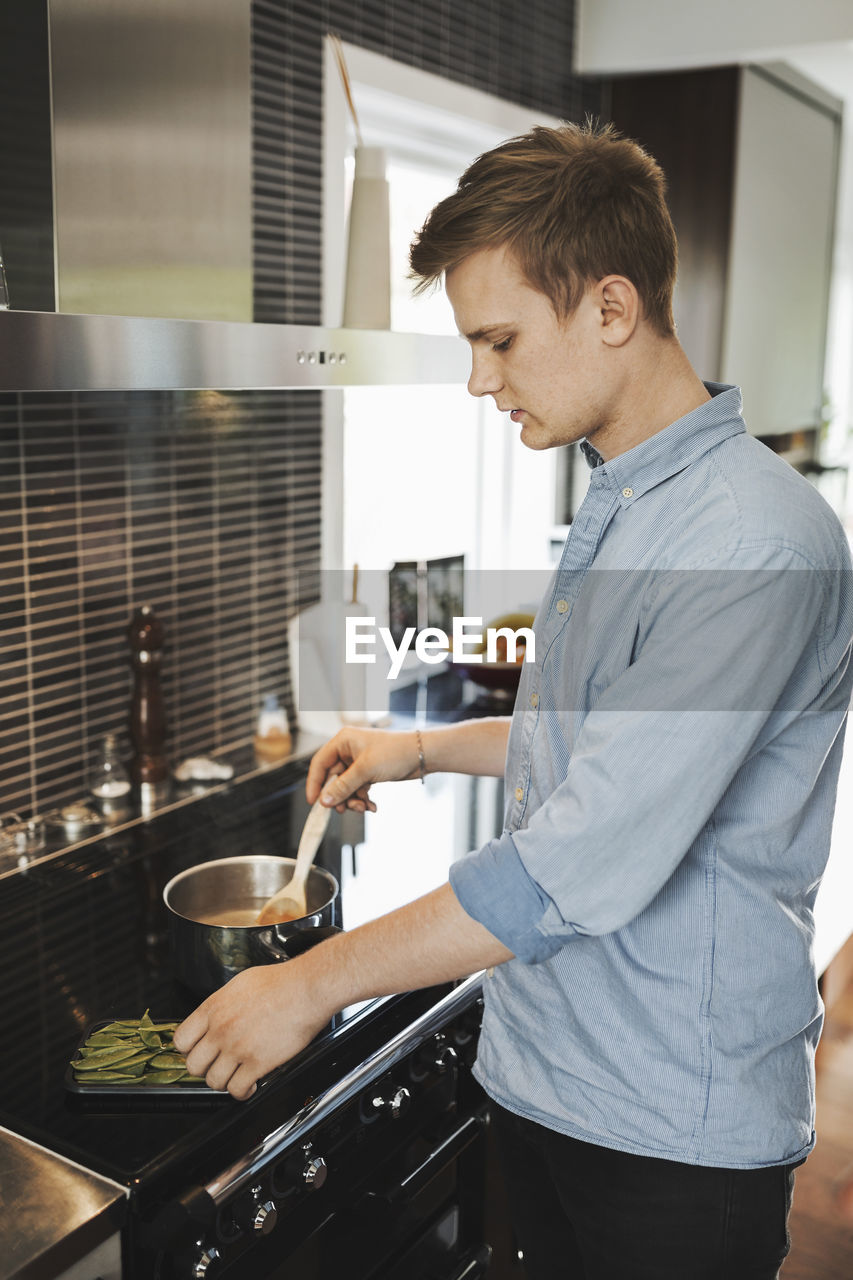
(780, 258)
(751, 160)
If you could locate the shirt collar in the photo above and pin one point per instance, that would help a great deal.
(666, 452)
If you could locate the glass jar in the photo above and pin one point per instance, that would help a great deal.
(109, 782)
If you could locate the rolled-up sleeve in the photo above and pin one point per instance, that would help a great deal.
(725, 661)
(494, 887)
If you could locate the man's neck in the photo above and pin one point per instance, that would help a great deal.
(660, 387)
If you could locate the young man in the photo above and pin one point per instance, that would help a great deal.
(645, 917)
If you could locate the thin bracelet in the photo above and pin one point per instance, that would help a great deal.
(421, 760)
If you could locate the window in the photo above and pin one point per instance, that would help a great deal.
(424, 473)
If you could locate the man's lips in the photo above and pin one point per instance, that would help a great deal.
(515, 414)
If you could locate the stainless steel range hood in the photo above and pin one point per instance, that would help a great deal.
(151, 139)
(152, 157)
(45, 351)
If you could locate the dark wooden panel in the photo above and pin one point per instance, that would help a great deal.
(687, 120)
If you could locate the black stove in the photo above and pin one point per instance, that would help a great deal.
(363, 1157)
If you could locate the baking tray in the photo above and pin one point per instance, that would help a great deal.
(181, 1091)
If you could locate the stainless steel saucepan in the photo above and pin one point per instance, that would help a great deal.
(213, 909)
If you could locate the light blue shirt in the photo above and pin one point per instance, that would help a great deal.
(670, 785)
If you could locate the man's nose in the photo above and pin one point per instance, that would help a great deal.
(485, 377)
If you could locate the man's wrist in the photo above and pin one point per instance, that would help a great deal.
(422, 769)
(327, 976)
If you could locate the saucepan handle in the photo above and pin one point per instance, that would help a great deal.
(298, 941)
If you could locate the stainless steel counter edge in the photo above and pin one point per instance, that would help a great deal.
(54, 1212)
(47, 351)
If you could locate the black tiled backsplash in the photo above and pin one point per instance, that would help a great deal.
(203, 504)
(206, 504)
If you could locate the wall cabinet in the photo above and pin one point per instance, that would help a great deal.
(751, 158)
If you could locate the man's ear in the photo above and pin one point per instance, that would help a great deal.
(619, 306)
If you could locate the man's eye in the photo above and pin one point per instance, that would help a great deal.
(502, 346)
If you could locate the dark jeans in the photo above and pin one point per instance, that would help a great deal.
(583, 1212)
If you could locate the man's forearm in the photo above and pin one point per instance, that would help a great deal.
(346, 766)
(471, 746)
(428, 941)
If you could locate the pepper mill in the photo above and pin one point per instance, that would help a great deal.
(149, 768)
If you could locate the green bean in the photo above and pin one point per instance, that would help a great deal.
(101, 1040)
(104, 1058)
(132, 1051)
(110, 1077)
(167, 1061)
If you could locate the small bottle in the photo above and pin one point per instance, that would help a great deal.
(108, 782)
(273, 741)
(149, 766)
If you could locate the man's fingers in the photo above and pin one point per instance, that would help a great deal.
(191, 1030)
(327, 760)
(359, 802)
(201, 1058)
(219, 1075)
(343, 786)
(242, 1083)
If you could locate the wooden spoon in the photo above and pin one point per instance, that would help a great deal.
(289, 903)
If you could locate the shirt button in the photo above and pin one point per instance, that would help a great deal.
(490, 973)
(562, 606)
(534, 700)
(519, 794)
(627, 492)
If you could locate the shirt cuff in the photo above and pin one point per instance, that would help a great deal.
(494, 888)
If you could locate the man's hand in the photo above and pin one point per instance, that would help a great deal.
(343, 769)
(258, 1020)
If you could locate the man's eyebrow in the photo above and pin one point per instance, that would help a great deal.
(488, 331)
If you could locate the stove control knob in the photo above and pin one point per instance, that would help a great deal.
(395, 1105)
(315, 1172)
(255, 1214)
(445, 1058)
(438, 1055)
(435, 1055)
(266, 1215)
(205, 1264)
(301, 1170)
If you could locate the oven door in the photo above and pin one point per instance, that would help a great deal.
(417, 1216)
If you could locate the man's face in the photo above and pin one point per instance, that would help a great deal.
(548, 374)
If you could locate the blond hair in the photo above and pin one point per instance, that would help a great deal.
(574, 204)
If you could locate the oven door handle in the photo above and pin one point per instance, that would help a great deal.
(407, 1188)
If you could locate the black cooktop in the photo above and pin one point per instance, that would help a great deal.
(83, 937)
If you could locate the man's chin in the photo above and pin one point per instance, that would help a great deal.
(533, 439)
